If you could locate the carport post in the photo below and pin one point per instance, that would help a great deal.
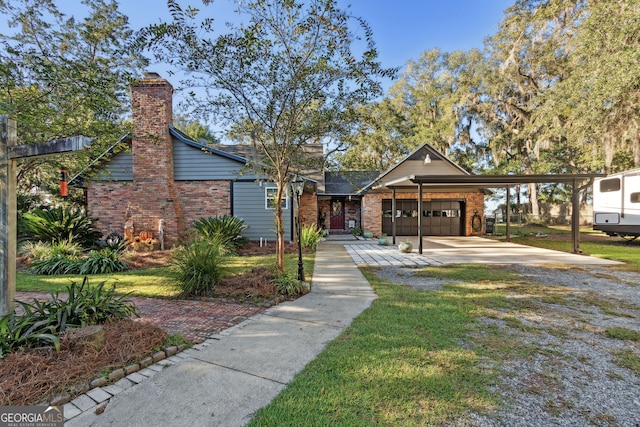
(420, 218)
(508, 212)
(575, 217)
(393, 215)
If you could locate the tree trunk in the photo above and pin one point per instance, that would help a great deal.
(279, 228)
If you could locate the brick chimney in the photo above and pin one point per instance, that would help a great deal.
(153, 190)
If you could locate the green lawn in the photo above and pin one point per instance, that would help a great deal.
(401, 361)
(154, 282)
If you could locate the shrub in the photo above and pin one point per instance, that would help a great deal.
(288, 285)
(64, 258)
(356, 231)
(25, 331)
(310, 236)
(56, 264)
(105, 260)
(89, 305)
(59, 224)
(41, 321)
(43, 250)
(536, 220)
(226, 229)
(197, 267)
(116, 242)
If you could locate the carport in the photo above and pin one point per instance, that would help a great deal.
(578, 183)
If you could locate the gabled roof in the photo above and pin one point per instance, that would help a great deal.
(348, 182)
(420, 154)
(78, 180)
(183, 137)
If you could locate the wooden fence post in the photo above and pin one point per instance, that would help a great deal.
(8, 215)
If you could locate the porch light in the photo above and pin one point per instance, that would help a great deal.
(297, 185)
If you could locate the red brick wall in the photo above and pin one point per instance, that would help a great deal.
(202, 199)
(351, 213)
(308, 209)
(324, 208)
(153, 194)
(372, 208)
(372, 212)
(113, 202)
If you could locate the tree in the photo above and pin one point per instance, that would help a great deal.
(595, 109)
(433, 101)
(62, 76)
(527, 58)
(377, 141)
(290, 74)
(195, 130)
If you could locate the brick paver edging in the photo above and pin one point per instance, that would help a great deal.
(117, 374)
(97, 398)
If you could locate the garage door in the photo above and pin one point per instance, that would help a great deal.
(439, 217)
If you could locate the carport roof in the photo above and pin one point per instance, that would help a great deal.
(490, 181)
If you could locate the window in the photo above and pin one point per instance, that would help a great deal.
(608, 185)
(270, 198)
(451, 213)
(635, 197)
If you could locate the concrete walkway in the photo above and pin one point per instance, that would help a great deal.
(224, 380)
(438, 250)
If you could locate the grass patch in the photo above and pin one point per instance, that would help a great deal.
(628, 252)
(144, 283)
(400, 362)
(155, 282)
(472, 273)
(609, 307)
(627, 359)
(622, 334)
(176, 340)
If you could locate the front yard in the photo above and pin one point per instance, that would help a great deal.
(45, 373)
(478, 345)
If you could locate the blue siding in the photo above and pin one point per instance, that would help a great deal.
(194, 164)
(249, 204)
(118, 168)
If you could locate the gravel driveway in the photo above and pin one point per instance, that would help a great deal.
(570, 373)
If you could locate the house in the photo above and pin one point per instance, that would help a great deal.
(168, 181)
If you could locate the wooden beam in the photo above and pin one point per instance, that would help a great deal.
(59, 146)
(8, 216)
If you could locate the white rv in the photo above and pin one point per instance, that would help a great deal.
(616, 204)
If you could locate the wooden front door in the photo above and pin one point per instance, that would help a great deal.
(337, 214)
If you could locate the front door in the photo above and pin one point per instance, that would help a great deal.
(337, 214)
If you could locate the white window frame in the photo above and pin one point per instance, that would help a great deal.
(273, 191)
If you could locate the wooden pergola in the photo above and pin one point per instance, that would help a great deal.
(10, 154)
(578, 182)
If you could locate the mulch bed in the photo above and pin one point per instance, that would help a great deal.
(33, 376)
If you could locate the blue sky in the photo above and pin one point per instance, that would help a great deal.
(402, 29)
